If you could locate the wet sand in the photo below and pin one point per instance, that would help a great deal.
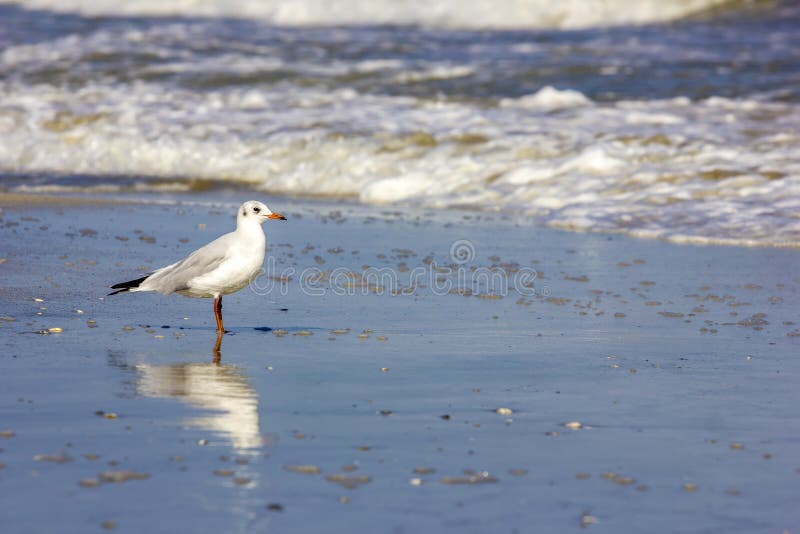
(382, 378)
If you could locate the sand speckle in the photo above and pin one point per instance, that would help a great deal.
(55, 458)
(118, 477)
(304, 469)
(478, 478)
(348, 481)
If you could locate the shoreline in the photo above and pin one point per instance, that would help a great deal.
(12, 200)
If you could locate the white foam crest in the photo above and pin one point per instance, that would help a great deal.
(436, 13)
(548, 99)
(697, 177)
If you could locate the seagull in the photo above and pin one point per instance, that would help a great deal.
(221, 267)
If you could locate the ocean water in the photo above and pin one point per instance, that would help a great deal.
(677, 120)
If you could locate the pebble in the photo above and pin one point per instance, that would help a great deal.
(304, 333)
(415, 481)
(275, 507)
(504, 411)
(574, 425)
(7, 434)
(689, 487)
(55, 330)
(108, 525)
(223, 472)
(587, 520)
(89, 483)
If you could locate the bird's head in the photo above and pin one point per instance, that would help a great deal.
(253, 210)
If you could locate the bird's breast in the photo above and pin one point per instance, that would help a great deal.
(239, 269)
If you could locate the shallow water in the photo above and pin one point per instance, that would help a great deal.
(677, 361)
(684, 129)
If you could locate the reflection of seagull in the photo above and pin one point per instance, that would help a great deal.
(217, 388)
(223, 266)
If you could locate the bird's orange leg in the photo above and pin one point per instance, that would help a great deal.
(218, 314)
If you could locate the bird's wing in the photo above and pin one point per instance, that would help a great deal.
(202, 261)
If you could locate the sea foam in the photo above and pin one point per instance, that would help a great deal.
(438, 13)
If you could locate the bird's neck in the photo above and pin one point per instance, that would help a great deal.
(252, 231)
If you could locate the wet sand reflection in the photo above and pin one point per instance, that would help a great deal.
(222, 390)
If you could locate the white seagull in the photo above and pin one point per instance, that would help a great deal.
(223, 266)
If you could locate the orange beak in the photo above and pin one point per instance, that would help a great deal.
(276, 216)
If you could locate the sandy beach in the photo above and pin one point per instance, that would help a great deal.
(393, 370)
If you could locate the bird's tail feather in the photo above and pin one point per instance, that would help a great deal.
(127, 286)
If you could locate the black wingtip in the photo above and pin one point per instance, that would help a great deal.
(127, 286)
(117, 291)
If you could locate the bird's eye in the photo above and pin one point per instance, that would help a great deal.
(256, 210)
